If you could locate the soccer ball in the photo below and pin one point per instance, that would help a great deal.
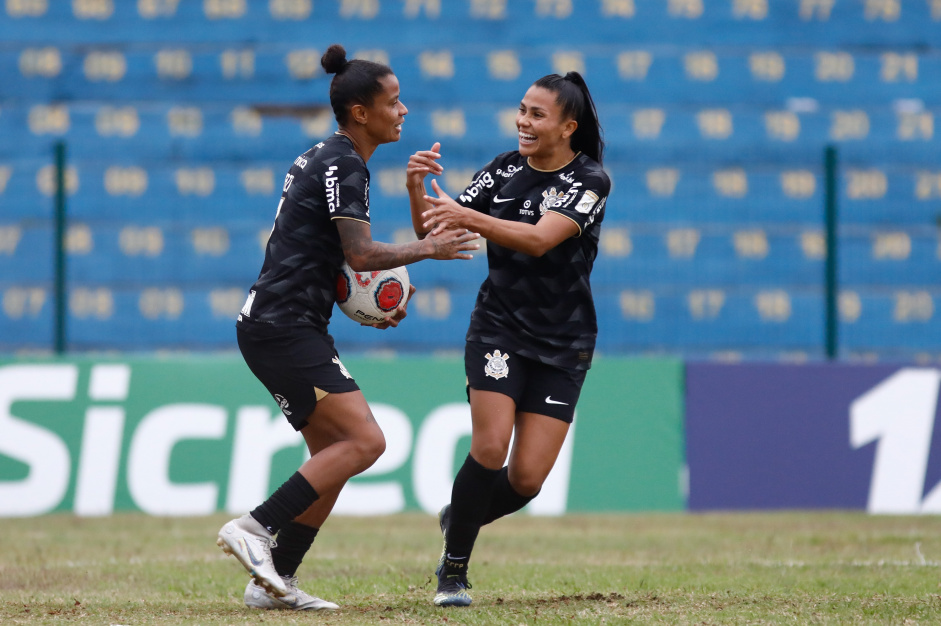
(369, 297)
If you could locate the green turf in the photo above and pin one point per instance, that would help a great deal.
(672, 568)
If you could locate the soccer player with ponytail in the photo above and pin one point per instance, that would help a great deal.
(533, 329)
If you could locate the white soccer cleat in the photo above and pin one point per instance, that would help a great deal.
(293, 600)
(251, 543)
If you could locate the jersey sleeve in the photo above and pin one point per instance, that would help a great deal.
(584, 201)
(481, 188)
(346, 188)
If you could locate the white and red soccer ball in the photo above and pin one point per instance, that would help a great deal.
(370, 297)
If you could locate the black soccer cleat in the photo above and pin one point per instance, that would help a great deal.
(452, 588)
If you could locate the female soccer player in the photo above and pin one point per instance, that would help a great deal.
(533, 328)
(322, 220)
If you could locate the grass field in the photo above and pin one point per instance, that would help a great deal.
(667, 568)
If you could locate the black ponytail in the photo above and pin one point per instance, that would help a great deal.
(354, 82)
(573, 96)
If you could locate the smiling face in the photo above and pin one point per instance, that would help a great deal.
(385, 115)
(544, 135)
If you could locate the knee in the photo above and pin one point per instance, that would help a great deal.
(526, 485)
(375, 445)
(370, 447)
(490, 452)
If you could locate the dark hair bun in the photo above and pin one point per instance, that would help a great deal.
(333, 59)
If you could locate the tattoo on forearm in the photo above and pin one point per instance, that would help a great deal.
(382, 255)
(357, 242)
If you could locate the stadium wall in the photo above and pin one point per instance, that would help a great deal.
(195, 435)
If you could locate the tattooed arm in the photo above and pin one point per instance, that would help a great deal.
(363, 254)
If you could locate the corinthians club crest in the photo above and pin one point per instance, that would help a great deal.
(496, 365)
(551, 197)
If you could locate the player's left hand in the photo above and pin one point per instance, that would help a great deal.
(399, 314)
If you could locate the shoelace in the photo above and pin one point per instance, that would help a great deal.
(461, 581)
(272, 544)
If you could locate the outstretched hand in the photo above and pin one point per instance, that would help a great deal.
(399, 315)
(452, 243)
(421, 164)
(444, 213)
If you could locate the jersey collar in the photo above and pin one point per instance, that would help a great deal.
(561, 167)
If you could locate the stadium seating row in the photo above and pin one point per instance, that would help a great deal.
(121, 255)
(753, 22)
(897, 319)
(145, 132)
(282, 74)
(211, 193)
(629, 320)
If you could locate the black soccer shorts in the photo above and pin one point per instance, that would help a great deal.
(298, 366)
(535, 387)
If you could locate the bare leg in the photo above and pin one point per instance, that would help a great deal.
(536, 447)
(346, 438)
(492, 415)
(344, 424)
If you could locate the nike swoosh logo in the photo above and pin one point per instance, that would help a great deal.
(549, 400)
(251, 555)
(498, 200)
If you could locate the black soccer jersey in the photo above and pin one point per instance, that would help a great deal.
(297, 283)
(540, 308)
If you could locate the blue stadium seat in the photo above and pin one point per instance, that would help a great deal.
(889, 258)
(26, 316)
(893, 320)
(27, 252)
(885, 195)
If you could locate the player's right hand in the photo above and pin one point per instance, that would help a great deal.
(399, 315)
(421, 164)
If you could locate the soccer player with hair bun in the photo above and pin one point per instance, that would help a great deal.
(322, 221)
(532, 332)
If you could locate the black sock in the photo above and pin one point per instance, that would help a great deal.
(470, 499)
(287, 502)
(505, 499)
(294, 540)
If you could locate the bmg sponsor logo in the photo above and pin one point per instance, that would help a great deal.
(473, 190)
(332, 188)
